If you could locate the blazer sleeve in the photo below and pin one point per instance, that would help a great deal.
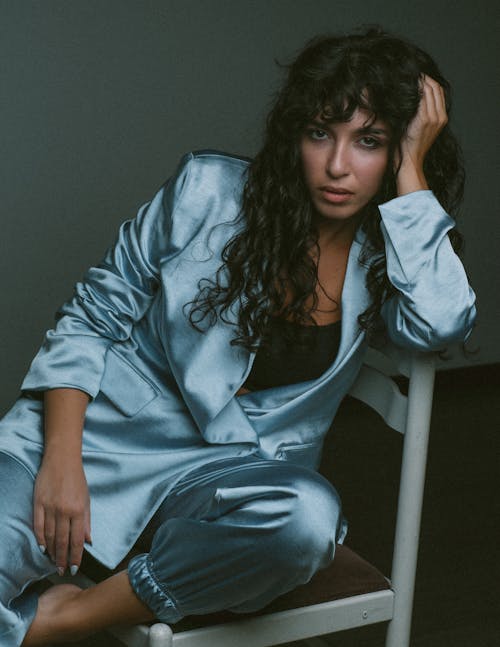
(108, 301)
(434, 304)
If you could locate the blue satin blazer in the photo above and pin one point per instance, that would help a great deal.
(163, 394)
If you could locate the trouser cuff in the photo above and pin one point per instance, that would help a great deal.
(150, 591)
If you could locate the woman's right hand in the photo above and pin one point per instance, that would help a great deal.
(61, 505)
(62, 511)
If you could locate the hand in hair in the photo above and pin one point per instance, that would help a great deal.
(430, 119)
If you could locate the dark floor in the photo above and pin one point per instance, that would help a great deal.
(457, 590)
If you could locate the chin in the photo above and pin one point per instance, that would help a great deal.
(336, 213)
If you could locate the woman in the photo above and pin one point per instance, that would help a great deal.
(183, 397)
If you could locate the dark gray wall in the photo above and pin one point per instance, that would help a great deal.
(100, 98)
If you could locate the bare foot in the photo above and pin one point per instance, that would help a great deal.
(66, 612)
(53, 621)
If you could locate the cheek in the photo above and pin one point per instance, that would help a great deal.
(306, 156)
(309, 165)
(312, 155)
(373, 172)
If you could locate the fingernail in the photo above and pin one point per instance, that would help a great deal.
(60, 571)
(43, 550)
(73, 569)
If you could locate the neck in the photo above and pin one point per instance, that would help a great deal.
(336, 232)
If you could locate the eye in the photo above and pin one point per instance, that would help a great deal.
(317, 134)
(369, 142)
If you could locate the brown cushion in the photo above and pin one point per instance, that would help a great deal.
(348, 575)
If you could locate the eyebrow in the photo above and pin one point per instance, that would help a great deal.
(373, 130)
(364, 130)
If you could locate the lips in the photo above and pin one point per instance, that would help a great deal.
(335, 195)
(336, 190)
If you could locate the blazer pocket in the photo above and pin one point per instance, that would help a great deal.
(125, 386)
(305, 454)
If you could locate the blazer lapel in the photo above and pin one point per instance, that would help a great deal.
(209, 370)
(355, 299)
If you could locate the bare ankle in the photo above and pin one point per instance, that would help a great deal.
(67, 613)
(56, 619)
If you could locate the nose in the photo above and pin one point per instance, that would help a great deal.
(338, 160)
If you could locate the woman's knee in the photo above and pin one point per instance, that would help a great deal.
(313, 524)
(292, 514)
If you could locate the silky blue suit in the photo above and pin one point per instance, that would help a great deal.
(163, 416)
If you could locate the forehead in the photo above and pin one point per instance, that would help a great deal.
(360, 119)
(345, 103)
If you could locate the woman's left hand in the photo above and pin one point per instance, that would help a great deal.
(430, 119)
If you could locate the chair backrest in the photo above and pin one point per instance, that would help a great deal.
(411, 416)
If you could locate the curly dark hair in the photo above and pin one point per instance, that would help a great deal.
(269, 263)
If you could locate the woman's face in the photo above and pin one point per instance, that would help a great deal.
(344, 163)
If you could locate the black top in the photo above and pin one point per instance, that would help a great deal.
(278, 363)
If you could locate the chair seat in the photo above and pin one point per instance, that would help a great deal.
(348, 575)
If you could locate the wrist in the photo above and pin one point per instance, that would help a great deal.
(410, 178)
(65, 452)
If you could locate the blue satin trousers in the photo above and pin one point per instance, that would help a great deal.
(234, 534)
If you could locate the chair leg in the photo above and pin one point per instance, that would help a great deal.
(160, 635)
(410, 501)
(398, 634)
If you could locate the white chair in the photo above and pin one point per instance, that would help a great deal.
(304, 613)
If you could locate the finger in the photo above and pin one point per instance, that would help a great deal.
(424, 105)
(437, 100)
(38, 527)
(76, 544)
(439, 114)
(424, 85)
(428, 80)
(88, 533)
(432, 110)
(62, 543)
(50, 533)
(443, 113)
